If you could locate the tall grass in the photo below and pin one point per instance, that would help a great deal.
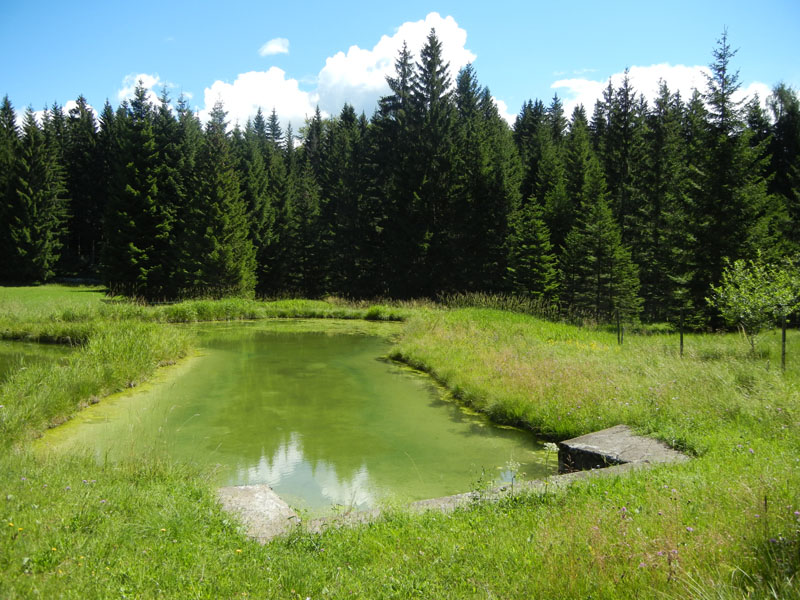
(113, 356)
(725, 525)
(564, 381)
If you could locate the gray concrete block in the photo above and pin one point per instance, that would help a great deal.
(613, 446)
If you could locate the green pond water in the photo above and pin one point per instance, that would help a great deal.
(20, 355)
(318, 416)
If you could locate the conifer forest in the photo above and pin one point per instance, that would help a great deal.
(626, 208)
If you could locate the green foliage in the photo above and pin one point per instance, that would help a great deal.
(228, 257)
(83, 166)
(754, 294)
(531, 263)
(597, 272)
(35, 209)
(134, 220)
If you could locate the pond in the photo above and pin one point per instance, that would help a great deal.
(20, 355)
(318, 416)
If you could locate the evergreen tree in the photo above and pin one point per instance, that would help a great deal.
(9, 151)
(312, 142)
(737, 213)
(259, 202)
(171, 197)
(556, 120)
(577, 154)
(486, 184)
(784, 149)
(190, 215)
(86, 185)
(274, 131)
(134, 222)
(528, 140)
(622, 154)
(434, 146)
(551, 189)
(37, 211)
(662, 219)
(228, 257)
(303, 263)
(531, 262)
(342, 225)
(598, 274)
(395, 168)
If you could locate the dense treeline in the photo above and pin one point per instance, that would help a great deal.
(632, 210)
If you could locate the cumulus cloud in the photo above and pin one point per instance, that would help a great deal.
(261, 89)
(275, 46)
(645, 80)
(148, 82)
(502, 108)
(358, 76)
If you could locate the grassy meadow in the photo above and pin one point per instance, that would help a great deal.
(725, 525)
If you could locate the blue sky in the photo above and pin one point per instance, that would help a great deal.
(54, 51)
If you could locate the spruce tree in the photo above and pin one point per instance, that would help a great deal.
(274, 131)
(189, 217)
(551, 189)
(556, 121)
(528, 140)
(9, 151)
(302, 236)
(486, 186)
(342, 183)
(531, 262)
(784, 149)
(396, 171)
(171, 197)
(664, 237)
(259, 201)
(228, 256)
(738, 215)
(434, 113)
(134, 223)
(622, 156)
(598, 275)
(576, 156)
(86, 188)
(36, 213)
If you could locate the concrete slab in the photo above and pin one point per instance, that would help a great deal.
(613, 446)
(260, 509)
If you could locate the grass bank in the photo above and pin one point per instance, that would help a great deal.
(725, 525)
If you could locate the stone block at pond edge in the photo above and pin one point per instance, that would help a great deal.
(261, 510)
(613, 446)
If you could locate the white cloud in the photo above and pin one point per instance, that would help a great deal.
(502, 108)
(275, 46)
(261, 89)
(148, 82)
(646, 81)
(359, 76)
(762, 89)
